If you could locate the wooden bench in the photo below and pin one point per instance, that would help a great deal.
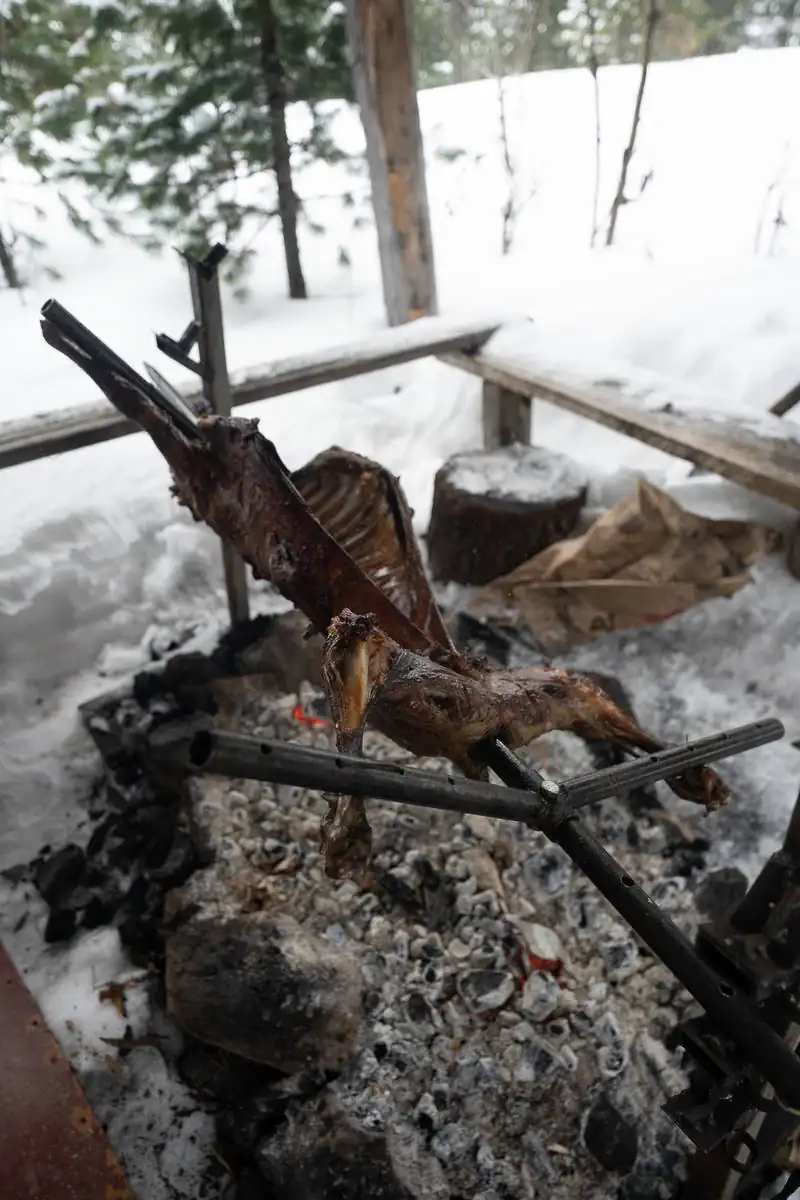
(769, 465)
(89, 425)
(764, 463)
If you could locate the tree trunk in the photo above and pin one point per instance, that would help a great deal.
(281, 151)
(383, 76)
(8, 266)
(651, 21)
(594, 70)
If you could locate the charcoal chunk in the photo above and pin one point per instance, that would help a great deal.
(61, 925)
(324, 1154)
(609, 1138)
(56, 876)
(720, 891)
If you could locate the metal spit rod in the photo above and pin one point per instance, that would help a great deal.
(617, 780)
(219, 753)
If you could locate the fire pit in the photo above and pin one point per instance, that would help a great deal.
(508, 1027)
(434, 1005)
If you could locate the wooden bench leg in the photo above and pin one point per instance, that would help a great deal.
(793, 551)
(506, 417)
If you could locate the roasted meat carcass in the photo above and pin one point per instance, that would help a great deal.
(336, 539)
(433, 710)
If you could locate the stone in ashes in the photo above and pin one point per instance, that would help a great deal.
(484, 991)
(540, 996)
(262, 987)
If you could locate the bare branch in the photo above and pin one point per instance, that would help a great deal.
(510, 206)
(778, 223)
(654, 15)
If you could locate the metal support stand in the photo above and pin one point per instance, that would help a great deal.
(206, 332)
(756, 947)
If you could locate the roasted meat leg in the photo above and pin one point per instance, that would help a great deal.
(432, 709)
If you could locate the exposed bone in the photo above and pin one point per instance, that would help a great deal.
(350, 670)
(363, 507)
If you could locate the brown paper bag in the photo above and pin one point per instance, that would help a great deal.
(644, 560)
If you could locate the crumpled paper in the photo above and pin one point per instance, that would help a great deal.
(643, 561)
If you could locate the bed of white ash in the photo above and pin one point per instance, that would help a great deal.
(478, 1023)
(416, 1050)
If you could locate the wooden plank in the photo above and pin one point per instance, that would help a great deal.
(381, 45)
(787, 402)
(506, 417)
(207, 304)
(770, 466)
(89, 425)
(52, 1146)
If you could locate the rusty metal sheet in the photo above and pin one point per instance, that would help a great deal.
(52, 1146)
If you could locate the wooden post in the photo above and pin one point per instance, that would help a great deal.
(786, 402)
(506, 417)
(793, 551)
(207, 305)
(383, 76)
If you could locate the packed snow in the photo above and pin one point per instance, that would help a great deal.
(517, 473)
(98, 567)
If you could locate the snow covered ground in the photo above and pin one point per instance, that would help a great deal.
(97, 562)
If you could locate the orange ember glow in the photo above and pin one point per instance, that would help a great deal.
(304, 719)
(553, 966)
(663, 617)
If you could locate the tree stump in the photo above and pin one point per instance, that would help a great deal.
(493, 510)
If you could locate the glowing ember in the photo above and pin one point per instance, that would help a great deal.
(553, 966)
(663, 617)
(304, 719)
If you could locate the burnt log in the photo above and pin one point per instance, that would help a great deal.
(327, 1152)
(262, 988)
(492, 511)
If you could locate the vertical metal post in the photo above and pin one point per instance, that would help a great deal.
(207, 305)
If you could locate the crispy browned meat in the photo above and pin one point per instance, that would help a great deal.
(393, 665)
(351, 670)
(431, 709)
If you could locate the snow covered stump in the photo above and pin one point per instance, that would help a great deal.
(493, 510)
